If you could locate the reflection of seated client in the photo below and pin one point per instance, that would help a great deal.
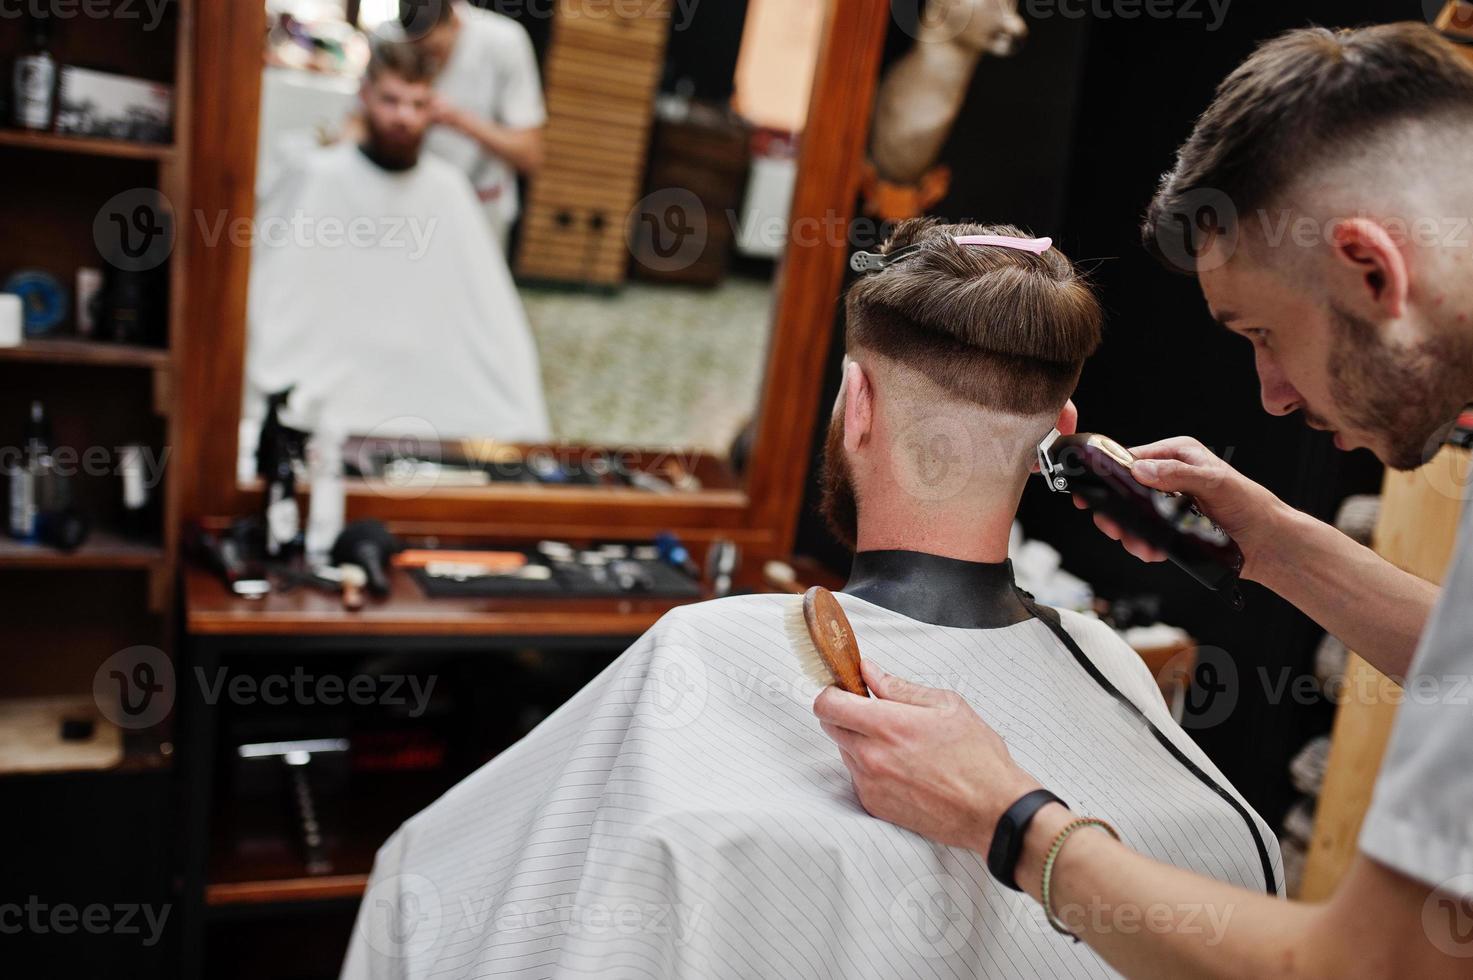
(684, 816)
(378, 291)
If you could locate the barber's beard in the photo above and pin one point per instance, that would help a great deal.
(838, 504)
(1406, 398)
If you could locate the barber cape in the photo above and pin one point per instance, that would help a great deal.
(382, 297)
(684, 816)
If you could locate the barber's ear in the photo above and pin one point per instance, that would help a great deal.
(1369, 251)
(859, 406)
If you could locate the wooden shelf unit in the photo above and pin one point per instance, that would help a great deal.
(97, 392)
(87, 146)
(88, 352)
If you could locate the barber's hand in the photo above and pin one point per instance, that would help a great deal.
(921, 758)
(1242, 508)
(446, 113)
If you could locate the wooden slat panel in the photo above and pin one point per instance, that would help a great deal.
(1418, 524)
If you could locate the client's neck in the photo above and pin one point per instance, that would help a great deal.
(973, 525)
(941, 562)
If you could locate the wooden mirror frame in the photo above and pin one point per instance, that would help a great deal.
(762, 517)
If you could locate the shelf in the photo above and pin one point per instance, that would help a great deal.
(93, 353)
(324, 889)
(87, 146)
(104, 549)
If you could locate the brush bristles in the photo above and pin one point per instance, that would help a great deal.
(800, 641)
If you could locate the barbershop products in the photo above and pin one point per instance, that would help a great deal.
(275, 456)
(12, 320)
(325, 512)
(139, 500)
(35, 81)
(27, 476)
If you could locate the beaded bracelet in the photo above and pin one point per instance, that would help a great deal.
(1048, 868)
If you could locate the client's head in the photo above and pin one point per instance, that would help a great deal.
(961, 358)
(398, 101)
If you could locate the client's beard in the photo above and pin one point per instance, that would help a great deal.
(838, 504)
(391, 153)
(1405, 397)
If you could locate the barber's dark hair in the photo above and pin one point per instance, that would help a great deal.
(1300, 99)
(419, 17)
(403, 59)
(999, 327)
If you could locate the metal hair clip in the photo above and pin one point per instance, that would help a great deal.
(878, 261)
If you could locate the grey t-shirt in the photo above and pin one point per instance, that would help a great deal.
(1421, 817)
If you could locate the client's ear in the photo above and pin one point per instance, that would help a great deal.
(859, 406)
(1068, 422)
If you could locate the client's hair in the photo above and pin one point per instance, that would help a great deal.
(402, 59)
(999, 327)
(1301, 100)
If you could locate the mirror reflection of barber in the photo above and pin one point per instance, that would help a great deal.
(488, 114)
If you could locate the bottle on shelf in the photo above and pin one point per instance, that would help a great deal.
(276, 456)
(35, 79)
(140, 515)
(29, 475)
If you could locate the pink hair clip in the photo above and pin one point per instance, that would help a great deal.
(1035, 245)
(875, 261)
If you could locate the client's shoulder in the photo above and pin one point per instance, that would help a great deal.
(1109, 651)
(737, 611)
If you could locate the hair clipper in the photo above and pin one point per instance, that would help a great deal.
(1096, 468)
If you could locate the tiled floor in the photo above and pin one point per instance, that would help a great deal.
(653, 365)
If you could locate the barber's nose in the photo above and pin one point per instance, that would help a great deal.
(1279, 396)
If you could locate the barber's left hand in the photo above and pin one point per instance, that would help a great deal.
(446, 113)
(923, 759)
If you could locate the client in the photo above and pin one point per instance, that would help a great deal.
(377, 289)
(683, 816)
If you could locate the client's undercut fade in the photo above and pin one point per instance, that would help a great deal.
(998, 327)
(1301, 100)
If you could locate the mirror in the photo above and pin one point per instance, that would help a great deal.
(537, 246)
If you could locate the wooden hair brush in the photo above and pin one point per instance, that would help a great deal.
(824, 643)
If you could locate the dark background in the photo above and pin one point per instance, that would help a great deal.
(1068, 138)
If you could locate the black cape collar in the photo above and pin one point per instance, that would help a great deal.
(936, 590)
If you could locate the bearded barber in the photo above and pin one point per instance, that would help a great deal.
(1369, 333)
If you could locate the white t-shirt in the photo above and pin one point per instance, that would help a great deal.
(684, 816)
(492, 73)
(1421, 817)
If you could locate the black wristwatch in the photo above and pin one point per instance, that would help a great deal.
(1007, 839)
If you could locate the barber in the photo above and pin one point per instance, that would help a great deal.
(489, 114)
(1367, 330)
